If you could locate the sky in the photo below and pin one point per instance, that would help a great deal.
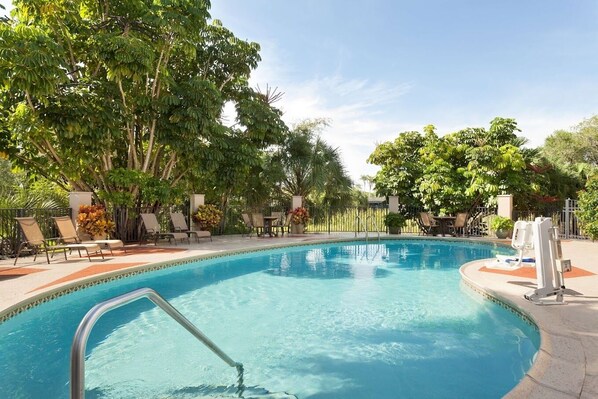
(376, 68)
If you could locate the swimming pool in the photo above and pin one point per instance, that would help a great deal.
(345, 320)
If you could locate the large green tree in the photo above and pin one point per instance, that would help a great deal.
(455, 172)
(125, 98)
(574, 152)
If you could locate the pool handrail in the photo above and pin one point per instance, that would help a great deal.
(375, 226)
(77, 383)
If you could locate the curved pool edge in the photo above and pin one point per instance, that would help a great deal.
(563, 368)
(559, 370)
(47, 294)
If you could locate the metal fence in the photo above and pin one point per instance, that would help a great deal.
(562, 215)
(322, 220)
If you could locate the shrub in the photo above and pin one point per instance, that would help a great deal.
(93, 220)
(502, 223)
(394, 219)
(207, 216)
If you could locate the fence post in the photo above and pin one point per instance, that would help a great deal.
(329, 216)
(567, 217)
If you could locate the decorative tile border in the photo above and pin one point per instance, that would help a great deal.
(50, 295)
(522, 315)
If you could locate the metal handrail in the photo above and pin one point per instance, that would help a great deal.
(358, 223)
(375, 225)
(89, 320)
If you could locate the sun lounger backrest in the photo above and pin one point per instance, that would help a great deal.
(150, 221)
(33, 234)
(66, 229)
(178, 221)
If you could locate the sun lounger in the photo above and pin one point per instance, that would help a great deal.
(180, 225)
(35, 241)
(152, 229)
(68, 235)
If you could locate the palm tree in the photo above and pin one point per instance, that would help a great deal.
(310, 167)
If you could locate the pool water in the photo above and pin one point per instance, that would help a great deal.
(347, 320)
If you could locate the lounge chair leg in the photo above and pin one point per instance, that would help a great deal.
(19, 253)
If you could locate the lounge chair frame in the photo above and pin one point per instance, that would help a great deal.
(179, 225)
(69, 235)
(35, 240)
(153, 232)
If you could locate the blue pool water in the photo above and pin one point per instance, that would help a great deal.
(346, 320)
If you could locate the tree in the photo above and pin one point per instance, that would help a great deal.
(125, 98)
(575, 152)
(306, 165)
(456, 172)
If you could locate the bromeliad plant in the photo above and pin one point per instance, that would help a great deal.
(93, 220)
(300, 215)
(207, 216)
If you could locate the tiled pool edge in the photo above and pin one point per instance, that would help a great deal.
(540, 381)
(64, 289)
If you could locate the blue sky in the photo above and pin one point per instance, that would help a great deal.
(379, 67)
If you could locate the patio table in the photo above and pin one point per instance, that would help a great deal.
(444, 222)
(268, 224)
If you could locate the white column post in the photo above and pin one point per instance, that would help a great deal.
(76, 199)
(297, 202)
(195, 201)
(505, 205)
(393, 203)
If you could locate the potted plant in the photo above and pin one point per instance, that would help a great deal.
(395, 222)
(299, 218)
(93, 221)
(207, 217)
(502, 226)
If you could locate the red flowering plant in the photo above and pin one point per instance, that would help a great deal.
(300, 215)
(93, 220)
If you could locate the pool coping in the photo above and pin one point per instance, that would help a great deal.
(560, 369)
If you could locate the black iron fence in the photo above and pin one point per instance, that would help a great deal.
(322, 220)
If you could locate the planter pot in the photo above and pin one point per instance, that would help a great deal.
(100, 237)
(502, 234)
(394, 230)
(297, 228)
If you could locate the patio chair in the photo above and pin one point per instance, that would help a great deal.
(278, 224)
(257, 220)
(36, 242)
(248, 224)
(428, 224)
(179, 225)
(287, 224)
(152, 230)
(68, 235)
(459, 226)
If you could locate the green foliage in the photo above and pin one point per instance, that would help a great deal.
(394, 219)
(575, 152)
(125, 99)
(456, 172)
(19, 190)
(502, 223)
(306, 165)
(588, 208)
(207, 216)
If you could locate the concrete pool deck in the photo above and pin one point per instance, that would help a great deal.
(566, 365)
